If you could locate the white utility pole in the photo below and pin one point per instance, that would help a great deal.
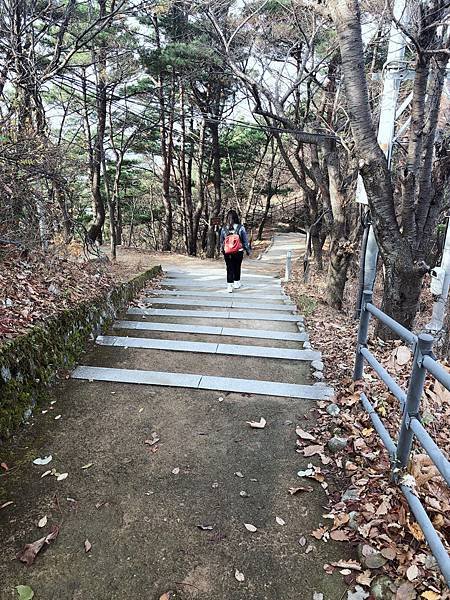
(440, 283)
(392, 77)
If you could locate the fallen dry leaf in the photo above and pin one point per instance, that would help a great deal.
(301, 488)
(406, 592)
(311, 450)
(42, 522)
(257, 424)
(339, 536)
(4, 466)
(429, 595)
(153, 440)
(29, 552)
(167, 595)
(304, 435)
(42, 461)
(403, 355)
(87, 545)
(347, 564)
(412, 572)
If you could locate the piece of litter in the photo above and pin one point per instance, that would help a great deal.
(45, 474)
(239, 474)
(141, 409)
(61, 476)
(57, 417)
(257, 424)
(250, 527)
(88, 466)
(215, 485)
(243, 494)
(176, 470)
(5, 504)
(53, 402)
(280, 521)
(87, 545)
(205, 527)
(220, 399)
(238, 575)
(44, 411)
(42, 461)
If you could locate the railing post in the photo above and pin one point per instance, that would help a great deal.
(287, 273)
(363, 332)
(415, 389)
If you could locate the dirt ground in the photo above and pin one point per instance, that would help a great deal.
(169, 516)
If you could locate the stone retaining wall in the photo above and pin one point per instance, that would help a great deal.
(29, 364)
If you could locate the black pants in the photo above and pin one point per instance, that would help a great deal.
(233, 262)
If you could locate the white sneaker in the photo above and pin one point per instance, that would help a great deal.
(230, 288)
(237, 285)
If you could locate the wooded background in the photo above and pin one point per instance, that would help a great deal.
(142, 123)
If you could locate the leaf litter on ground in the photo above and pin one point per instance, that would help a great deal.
(358, 477)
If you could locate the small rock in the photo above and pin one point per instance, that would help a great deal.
(318, 375)
(307, 346)
(317, 365)
(353, 520)
(369, 557)
(350, 494)
(243, 494)
(333, 410)
(381, 588)
(54, 289)
(336, 443)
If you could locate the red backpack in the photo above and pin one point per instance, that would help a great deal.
(232, 243)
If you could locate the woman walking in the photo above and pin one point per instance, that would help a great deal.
(233, 242)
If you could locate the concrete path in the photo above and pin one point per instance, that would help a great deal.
(164, 470)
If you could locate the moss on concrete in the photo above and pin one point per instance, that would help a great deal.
(30, 363)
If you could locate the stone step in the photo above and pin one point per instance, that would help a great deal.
(209, 314)
(218, 285)
(208, 348)
(240, 294)
(205, 330)
(221, 303)
(204, 382)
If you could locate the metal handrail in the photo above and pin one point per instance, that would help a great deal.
(411, 426)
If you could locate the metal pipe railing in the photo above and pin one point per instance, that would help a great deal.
(401, 331)
(437, 370)
(433, 540)
(431, 448)
(378, 425)
(423, 362)
(398, 392)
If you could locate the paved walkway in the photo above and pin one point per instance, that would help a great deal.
(164, 470)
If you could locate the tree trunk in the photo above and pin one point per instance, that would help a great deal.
(402, 288)
(217, 180)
